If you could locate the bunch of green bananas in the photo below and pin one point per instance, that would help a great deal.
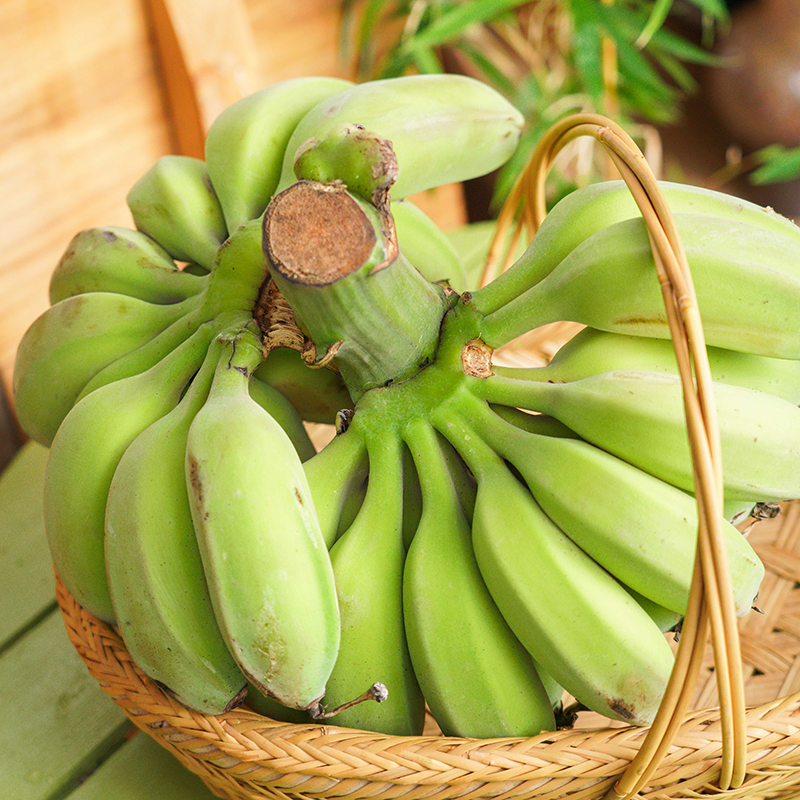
(446, 544)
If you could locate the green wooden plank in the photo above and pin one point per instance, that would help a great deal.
(142, 770)
(26, 589)
(55, 721)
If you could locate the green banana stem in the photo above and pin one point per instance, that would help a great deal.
(238, 273)
(335, 260)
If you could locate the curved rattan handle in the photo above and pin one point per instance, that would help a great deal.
(711, 598)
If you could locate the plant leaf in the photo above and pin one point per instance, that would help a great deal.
(658, 16)
(452, 23)
(779, 164)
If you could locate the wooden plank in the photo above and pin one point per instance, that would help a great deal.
(207, 57)
(26, 590)
(55, 721)
(142, 770)
(297, 38)
(81, 121)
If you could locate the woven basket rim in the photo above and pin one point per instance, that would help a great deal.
(259, 744)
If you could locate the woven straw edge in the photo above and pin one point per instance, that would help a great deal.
(242, 738)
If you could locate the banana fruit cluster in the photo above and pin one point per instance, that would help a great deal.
(476, 539)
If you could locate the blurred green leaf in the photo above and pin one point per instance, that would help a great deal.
(778, 164)
(651, 60)
(658, 16)
(454, 22)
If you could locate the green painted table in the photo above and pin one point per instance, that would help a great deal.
(60, 736)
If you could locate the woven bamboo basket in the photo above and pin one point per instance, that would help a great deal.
(241, 755)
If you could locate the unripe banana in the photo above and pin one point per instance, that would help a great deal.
(610, 282)
(335, 475)
(175, 203)
(592, 352)
(368, 563)
(271, 708)
(426, 246)
(462, 478)
(591, 209)
(155, 574)
(151, 352)
(245, 144)
(642, 530)
(473, 243)
(412, 498)
(84, 455)
(69, 343)
(266, 564)
(477, 678)
(639, 417)
(285, 414)
(541, 424)
(575, 619)
(318, 394)
(442, 128)
(666, 619)
(113, 259)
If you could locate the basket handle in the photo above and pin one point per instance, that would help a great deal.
(710, 606)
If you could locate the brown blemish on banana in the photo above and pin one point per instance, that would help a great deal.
(197, 484)
(476, 359)
(646, 321)
(623, 709)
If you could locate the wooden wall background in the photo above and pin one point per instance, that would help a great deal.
(94, 91)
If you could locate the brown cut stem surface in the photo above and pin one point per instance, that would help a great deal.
(317, 234)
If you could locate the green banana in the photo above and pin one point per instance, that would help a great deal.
(114, 259)
(285, 414)
(84, 454)
(462, 479)
(666, 619)
(442, 128)
(426, 246)
(541, 424)
(268, 571)
(336, 475)
(151, 352)
(592, 352)
(412, 497)
(639, 416)
(477, 678)
(318, 394)
(268, 707)
(609, 282)
(69, 343)
(584, 628)
(472, 242)
(155, 574)
(368, 563)
(245, 144)
(175, 203)
(591, 209)
(640, 529)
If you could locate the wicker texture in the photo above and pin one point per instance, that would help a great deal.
(243, 755)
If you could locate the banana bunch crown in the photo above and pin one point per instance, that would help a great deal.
(286, 463)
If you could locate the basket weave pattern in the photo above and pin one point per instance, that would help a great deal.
(241, 755)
